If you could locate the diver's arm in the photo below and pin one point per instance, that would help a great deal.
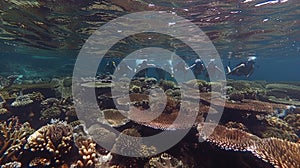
(239, 66)
(192, 66)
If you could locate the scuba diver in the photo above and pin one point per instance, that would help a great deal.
(213, 69)
(142, 68)
(244, 68)
(197, 67)
(109, 68)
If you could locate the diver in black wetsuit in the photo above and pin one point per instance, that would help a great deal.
(213, 69)
(109, 68)
(244, 68)
(197, 67)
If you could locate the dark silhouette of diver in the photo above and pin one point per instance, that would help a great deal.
(142, 69)
(245, 68)
(197, 67)
(213, 69)
(109, 68)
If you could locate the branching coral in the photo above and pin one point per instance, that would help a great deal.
(22, 101)
(129, 147)
(280, 153)
(87, 150)
(89, 157)
(54, 140)
(12, 138)
(14, 164)
(165, 161)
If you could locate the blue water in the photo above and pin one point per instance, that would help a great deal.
(48, 39)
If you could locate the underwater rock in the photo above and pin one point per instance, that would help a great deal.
(165, 161)
(280, 153)
(12, 138)
(53, 141)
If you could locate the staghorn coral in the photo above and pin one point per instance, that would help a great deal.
(280, 153)
(53, 140)
(12, 138)
(164, 161)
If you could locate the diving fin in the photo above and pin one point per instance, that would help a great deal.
(228, 70)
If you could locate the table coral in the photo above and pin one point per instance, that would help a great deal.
(280, 153)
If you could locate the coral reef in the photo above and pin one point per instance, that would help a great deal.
(294, 121)
(280, 153)
(87, 150)
(113, 117)
(12, 138)
(132, 148)
(88, 156)
(13, 164)
(40, 162)
(274, 127)
(102, 135)
(283, 93)
(22, 101)
(164, 161)
(54, 141)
